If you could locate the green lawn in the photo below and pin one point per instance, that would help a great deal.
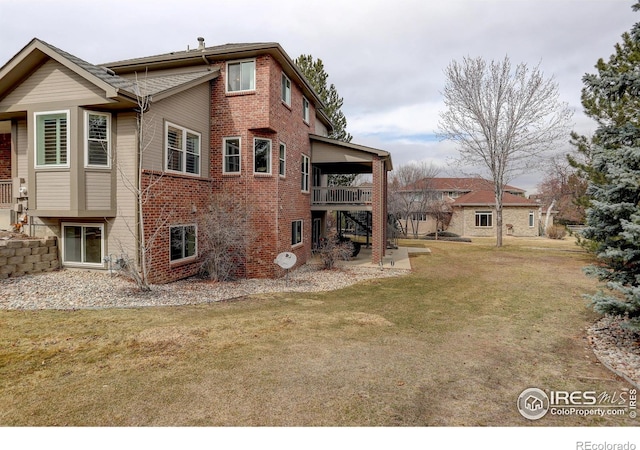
(453, 343)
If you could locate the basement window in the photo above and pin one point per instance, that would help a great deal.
(183, 242)
(296, 232)
(83, 244)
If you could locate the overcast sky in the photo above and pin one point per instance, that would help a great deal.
(385, 58)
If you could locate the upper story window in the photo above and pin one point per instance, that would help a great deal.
(231, 163)
(305, 174)
(262, 156)
(183, 150)
(241, 76)
(305, 109)
(286, 90)
(52, 139)
(97, 139)
(282, 160)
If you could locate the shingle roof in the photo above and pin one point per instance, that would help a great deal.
(488, 198)
(467, 184)
(99, 72)
(156, 85)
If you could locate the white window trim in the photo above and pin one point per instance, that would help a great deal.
(285, 96)
(297, 244)
(305, 110)
(35, 139)
(224, 154)
(532, 220)
(282, 159)
(305, 175)
(270, 165)
(184, 152)
(186, 258)
(255, 69)
(484, 213)
(64, 243)
(86, 139)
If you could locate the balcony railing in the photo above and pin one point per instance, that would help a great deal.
(341, 195)
(6, 199)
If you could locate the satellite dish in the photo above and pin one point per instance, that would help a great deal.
(286, 260)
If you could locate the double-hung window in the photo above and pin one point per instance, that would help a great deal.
(282, 160)
(305, 109)
(52, 139)
(97, 142)
(231, 163)
(296, 232)
(241, 76)
(484, 219)
(262, 156)
(286, 90)
(304, 169)
(532, 217)
(183, 150)
(183, 242)
(83, 244)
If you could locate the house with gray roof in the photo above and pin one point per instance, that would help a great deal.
(90, 152)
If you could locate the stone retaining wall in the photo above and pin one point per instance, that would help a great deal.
(21, 257)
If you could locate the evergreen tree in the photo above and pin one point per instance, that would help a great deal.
(612, 98)
(314, 72)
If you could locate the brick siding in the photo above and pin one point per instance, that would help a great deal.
(5, 156)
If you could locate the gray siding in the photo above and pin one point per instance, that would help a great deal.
(188, 109)
(98, 190)
(121, 231)
(49, 84)
(52, 191)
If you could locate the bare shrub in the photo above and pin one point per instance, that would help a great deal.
(224, 239)
(333, 249)
(556, 232)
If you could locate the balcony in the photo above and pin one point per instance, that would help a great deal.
(6, 199)
(341, 196)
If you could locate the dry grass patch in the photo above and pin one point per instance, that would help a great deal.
(454, 343)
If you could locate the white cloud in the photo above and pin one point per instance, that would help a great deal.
(385, 58)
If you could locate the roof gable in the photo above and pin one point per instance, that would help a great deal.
(36, 54)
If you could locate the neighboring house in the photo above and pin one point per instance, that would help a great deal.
(471, 202)
(236, 120)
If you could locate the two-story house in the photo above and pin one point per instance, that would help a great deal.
(92, 150)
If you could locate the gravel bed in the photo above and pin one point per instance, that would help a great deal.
(78, 289)
(617, 348)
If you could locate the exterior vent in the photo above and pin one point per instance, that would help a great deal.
(201, 44)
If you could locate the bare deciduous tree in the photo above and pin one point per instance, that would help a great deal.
(135, 263)
(410, 193)
(441, 212)
(504, 120)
